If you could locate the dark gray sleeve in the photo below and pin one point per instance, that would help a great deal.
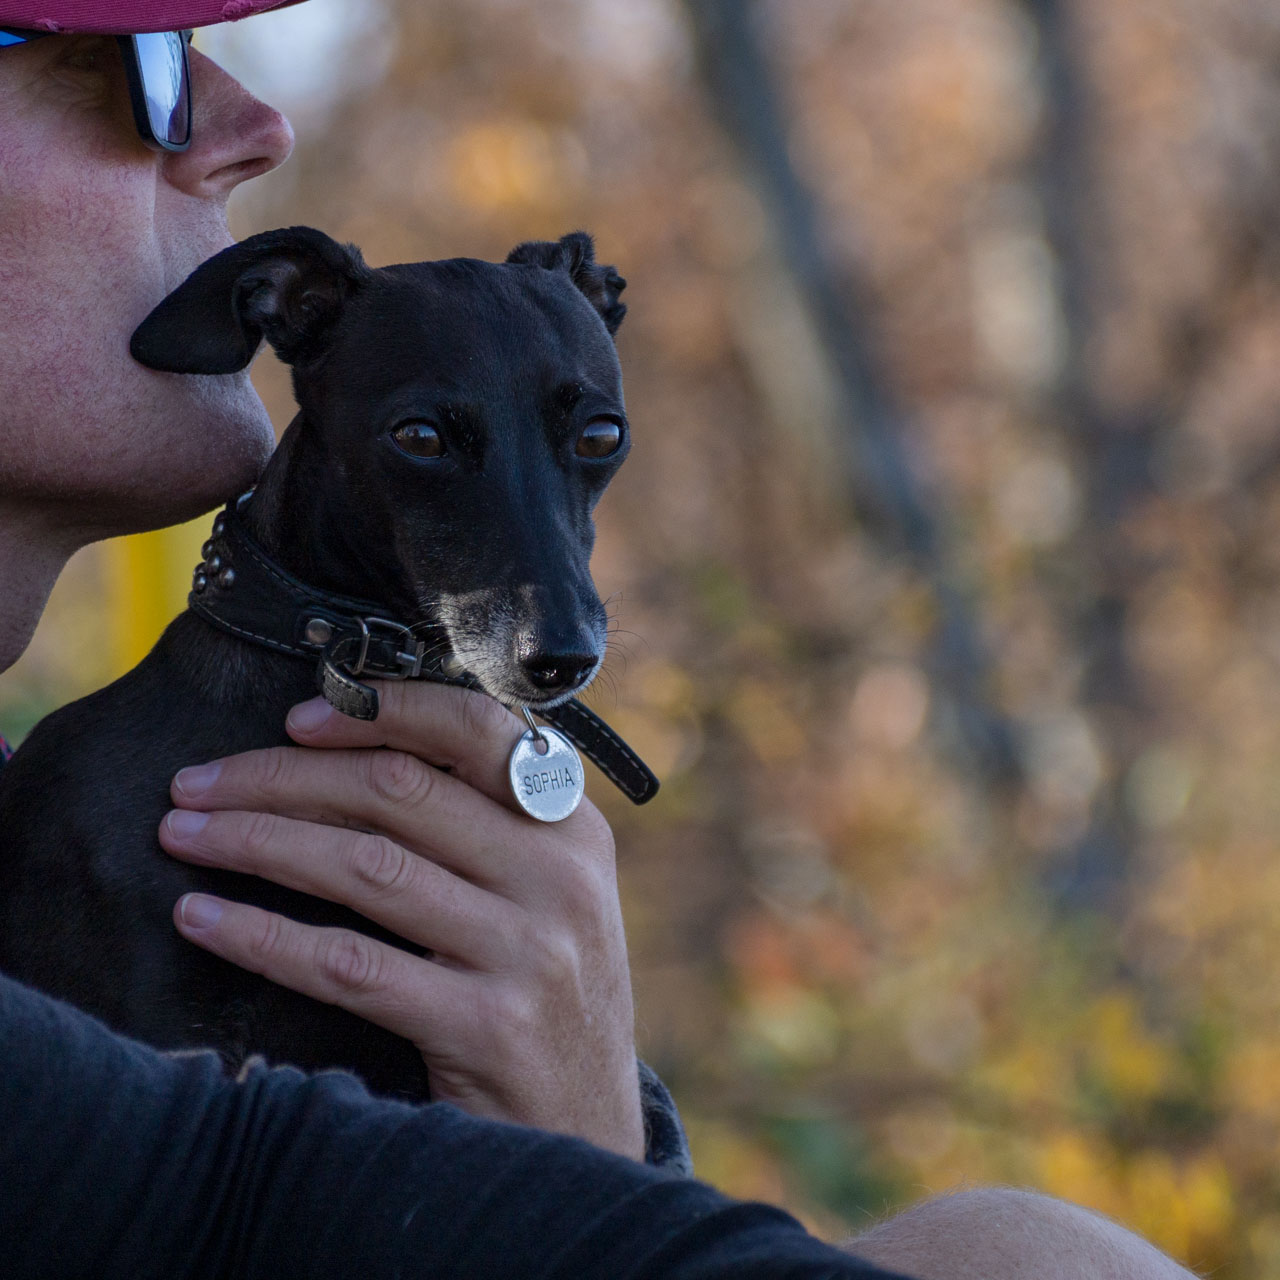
(116, 1161)
(665, 1144)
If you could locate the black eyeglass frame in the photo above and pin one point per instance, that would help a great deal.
(133, 74)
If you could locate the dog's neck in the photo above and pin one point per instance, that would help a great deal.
(300, 522)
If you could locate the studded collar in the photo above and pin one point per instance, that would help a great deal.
(239, 589)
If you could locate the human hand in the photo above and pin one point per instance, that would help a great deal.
(522, 1011)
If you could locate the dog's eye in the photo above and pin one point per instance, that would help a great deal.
(418, 440)
(599, 439)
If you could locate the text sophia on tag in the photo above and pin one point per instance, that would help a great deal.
(548, 785)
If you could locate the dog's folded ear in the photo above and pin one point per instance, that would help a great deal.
(287, 286)
(576, 255)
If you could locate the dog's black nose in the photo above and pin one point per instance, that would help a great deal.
(558, 672)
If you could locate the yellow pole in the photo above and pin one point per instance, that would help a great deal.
(149, 575)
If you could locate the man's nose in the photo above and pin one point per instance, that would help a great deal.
(234, 136)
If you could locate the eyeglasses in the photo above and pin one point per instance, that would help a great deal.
(159, 75)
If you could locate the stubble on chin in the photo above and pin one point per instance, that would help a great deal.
(199, 441)
(235, 438)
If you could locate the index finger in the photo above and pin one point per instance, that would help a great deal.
(461, 730)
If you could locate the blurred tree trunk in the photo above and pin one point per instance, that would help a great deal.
(1114, 455)
(1116, 447)
(877, 473)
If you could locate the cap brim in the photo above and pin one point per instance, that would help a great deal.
(122, 17)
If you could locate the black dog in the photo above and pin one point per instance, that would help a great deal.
(458, 422)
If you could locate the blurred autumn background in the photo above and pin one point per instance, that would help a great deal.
(946, 567)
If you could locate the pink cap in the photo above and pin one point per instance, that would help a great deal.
(122, 17)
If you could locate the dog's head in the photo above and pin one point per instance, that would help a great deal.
(458, 422)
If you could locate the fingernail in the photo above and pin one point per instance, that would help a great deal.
(184, 823)
(199, 912)
(307, 717)
(197, 779)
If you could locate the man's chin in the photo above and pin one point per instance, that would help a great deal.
(217, 444)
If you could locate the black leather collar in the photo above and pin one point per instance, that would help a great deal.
(241, 590)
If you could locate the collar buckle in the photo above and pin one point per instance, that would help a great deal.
(405, 659)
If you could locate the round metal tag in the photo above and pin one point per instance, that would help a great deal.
(548, 785)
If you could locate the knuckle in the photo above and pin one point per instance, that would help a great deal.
(583, 889)
(397, 778)
(595, 834)
(266, 939)
(553, 955)
(351, 961)
(381, 863)
(513, 1012)
(257, 836)
(274, 769)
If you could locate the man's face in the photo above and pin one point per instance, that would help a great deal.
(95, 229)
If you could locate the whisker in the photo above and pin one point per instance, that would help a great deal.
(612, 633)
(612, 647)
(611, 683)
(607, 672)
(605, 682)
(425, 624)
